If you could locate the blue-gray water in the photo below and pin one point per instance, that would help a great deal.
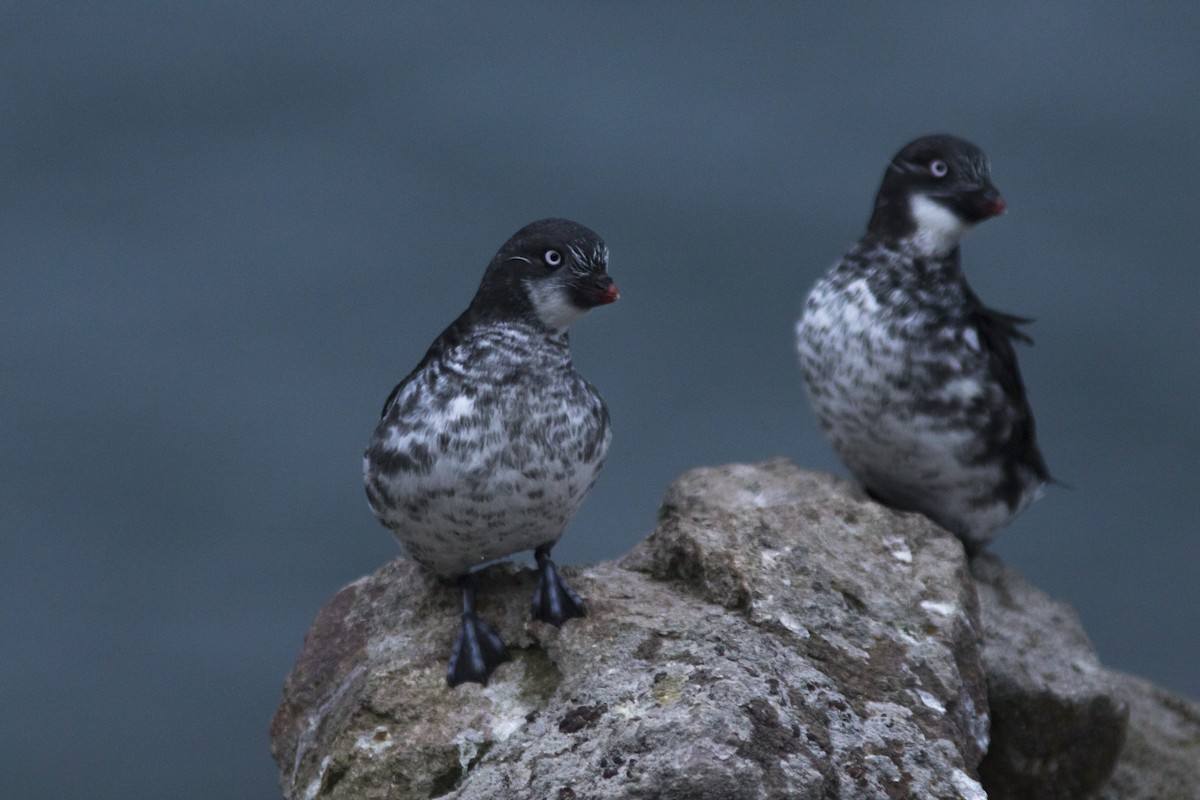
(227, 229)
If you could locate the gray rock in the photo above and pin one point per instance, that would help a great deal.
(776, 636)
(1161, 757)
(1058, 721)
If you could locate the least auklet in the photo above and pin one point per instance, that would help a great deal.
(913, 379)
(489, 446)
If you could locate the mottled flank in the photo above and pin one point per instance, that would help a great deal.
(488, 450)
(913, 379)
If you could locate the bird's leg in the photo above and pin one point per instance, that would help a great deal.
(553, 600)
(478, 650)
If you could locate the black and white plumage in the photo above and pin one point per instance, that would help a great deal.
(489, 446)
(913, 379)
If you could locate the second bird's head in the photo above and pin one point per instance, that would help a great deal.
(551, 272)
(935, 190)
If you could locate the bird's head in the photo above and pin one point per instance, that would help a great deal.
(935, 190)
(552, 271)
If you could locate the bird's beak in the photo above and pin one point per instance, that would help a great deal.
(985, 203)
(603, 291)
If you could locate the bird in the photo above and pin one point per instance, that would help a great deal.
(489, 446)
(914, 380)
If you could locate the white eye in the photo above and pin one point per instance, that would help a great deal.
(938, 168)
(552, 258)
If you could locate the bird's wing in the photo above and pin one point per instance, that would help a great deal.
(454, 334)
(997, 331)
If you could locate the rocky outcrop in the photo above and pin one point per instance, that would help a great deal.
(1058, 721)
(1161, 756)
(776, 636)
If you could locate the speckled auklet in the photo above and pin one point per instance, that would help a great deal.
(489, 446)
(913, 379)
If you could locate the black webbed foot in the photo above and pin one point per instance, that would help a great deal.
(553, 600)
(478, 649)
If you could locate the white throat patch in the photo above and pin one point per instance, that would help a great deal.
(938, 228)
(553, 305)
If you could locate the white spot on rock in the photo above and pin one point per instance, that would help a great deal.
(841, 642)
(967, 787)
(898, 548)
(938, 609)
(373, 742)
(467, 751)
(314, 786)
(508, 712)
(627, 710)
(793, 625)
(929, 701)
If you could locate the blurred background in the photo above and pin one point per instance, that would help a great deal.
(227, 229)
